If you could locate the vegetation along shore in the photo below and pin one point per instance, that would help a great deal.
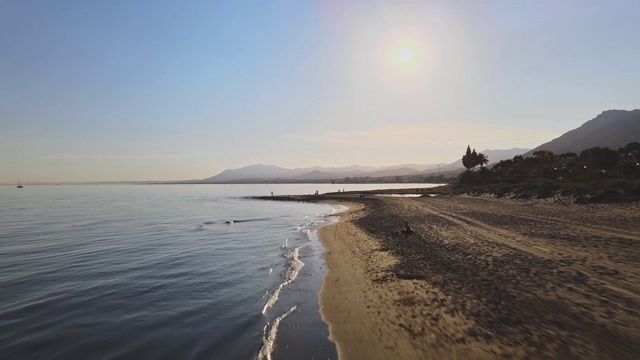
(596, 175)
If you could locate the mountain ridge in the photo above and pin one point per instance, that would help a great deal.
(264, 173)
(611, 128)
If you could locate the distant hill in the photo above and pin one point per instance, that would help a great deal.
(328, 175)
(258, 171)
(613, 129)
(419, 167)
(267, 173)
(394, 172)
(261, 172)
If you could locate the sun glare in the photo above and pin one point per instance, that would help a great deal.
(406, 54)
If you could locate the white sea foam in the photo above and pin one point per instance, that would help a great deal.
(273, 298)
(317, 223)
(335, 210)
(295, 265)
(269, 339)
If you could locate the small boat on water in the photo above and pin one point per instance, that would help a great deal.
(19, 186)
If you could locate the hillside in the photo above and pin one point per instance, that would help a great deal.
(265, 173)
(260, 172)
(612, 129)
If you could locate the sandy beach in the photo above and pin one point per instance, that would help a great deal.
(482, 278)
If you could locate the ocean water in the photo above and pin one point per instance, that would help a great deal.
(162, 272)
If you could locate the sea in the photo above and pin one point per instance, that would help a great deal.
(163, 271)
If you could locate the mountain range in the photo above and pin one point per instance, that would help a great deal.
(264, 173)
(612, 128)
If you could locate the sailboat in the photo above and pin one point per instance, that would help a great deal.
(19, 186)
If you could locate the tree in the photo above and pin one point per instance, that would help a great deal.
(630, 159)
(482, 160)
(467, 159)
(568, 155)
(633, 147)
(471, 159)
(543, 154)
(601, 157)
(474, 158)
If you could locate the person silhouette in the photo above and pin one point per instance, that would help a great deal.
(407, 229)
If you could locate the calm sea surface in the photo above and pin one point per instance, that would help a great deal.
(161, 272)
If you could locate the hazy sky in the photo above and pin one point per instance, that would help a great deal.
(168, 90)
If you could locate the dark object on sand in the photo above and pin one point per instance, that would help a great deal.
(406, 229)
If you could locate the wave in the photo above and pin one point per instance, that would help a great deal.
(269, 339)
(336, 209)
(233, 221)
(249, 220)
(273, 298)
(295, 265)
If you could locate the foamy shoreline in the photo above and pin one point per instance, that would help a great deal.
(274, 345)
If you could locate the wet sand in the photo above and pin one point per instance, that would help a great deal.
(482, 278)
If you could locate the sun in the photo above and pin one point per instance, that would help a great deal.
(406, 54)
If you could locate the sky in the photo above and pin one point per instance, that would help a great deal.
(125, 90)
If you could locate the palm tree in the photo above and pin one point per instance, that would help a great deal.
(482, 160)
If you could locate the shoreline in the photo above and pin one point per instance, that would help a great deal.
(349, 305)
(480, 278)
(358, 302)
(344, 283)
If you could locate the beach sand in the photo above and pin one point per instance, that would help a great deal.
(482, 278)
